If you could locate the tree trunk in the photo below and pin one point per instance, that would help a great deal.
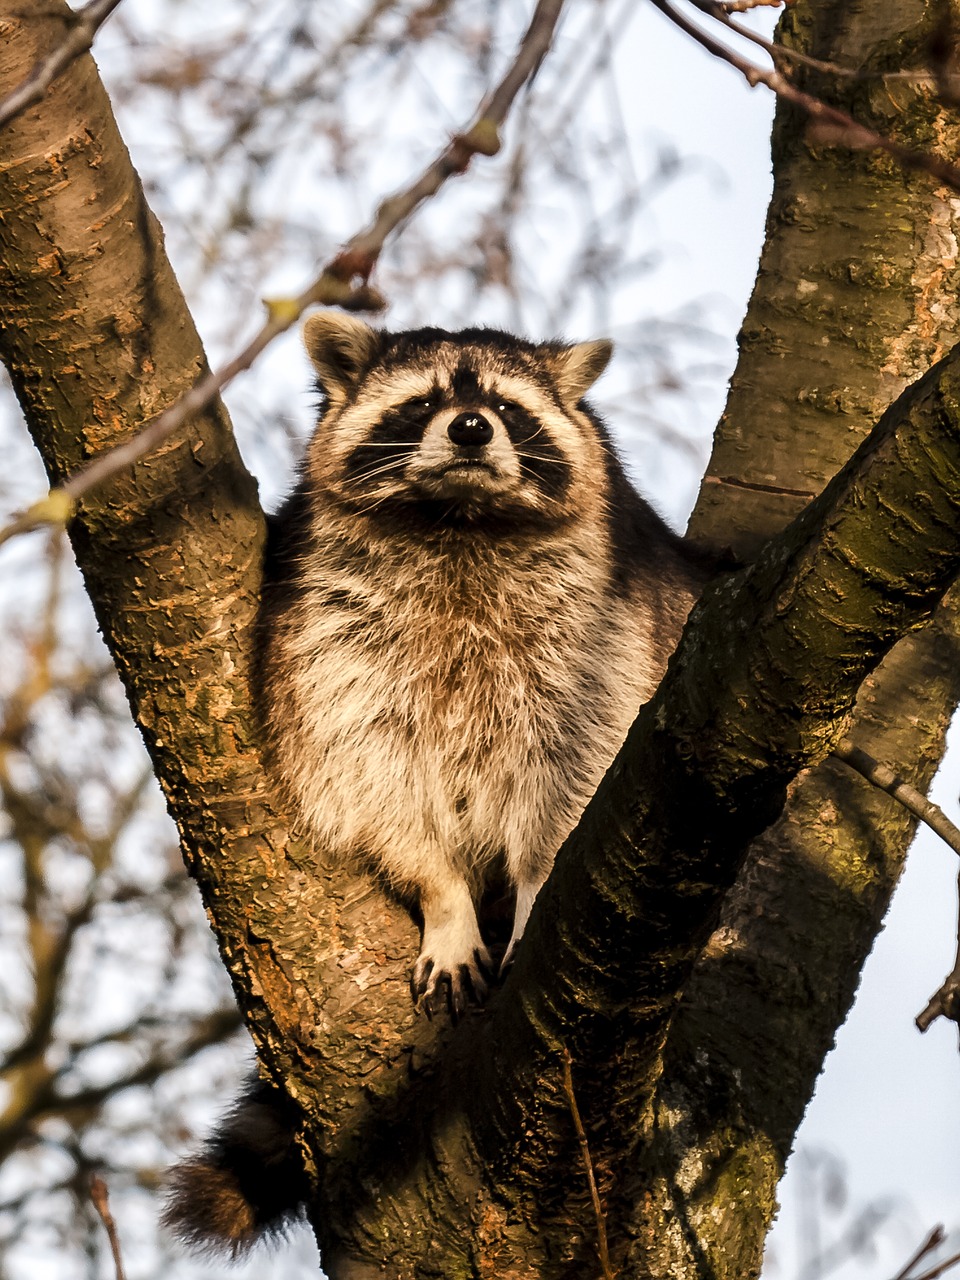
(455, 1154)
(856, 295)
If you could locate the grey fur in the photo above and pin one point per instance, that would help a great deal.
(458, 631)
(464, 606)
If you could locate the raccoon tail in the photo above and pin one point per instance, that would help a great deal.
(246, 1183)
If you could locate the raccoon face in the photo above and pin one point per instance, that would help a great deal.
(479, 422)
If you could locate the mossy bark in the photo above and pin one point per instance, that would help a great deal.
(454, 1154)
(856, 296)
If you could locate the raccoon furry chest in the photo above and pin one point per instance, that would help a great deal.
(465, 606)
(443, 683)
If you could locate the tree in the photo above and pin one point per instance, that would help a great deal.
(118, 992)
(683, 974)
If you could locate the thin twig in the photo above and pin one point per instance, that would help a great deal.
(84, 25)
(933, 1241)
(741, 6)
(716, 9)
(342, 282)
(608, 1272)
(940, 1269)
(945, 1001)
(101, 1202)
(847, 131)
(781, 52)
(887, 780)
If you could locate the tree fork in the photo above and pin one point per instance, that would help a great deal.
(320, 961)
(856, 296)
(637, 888)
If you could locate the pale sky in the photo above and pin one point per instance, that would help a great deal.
(888, 1103)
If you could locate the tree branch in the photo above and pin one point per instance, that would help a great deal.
(886, 779)
(845, 130)
(945, 1002)
(344, 282)
(602, 1247)
(816, 369)
(84, 25)
(759, 688)
(933, 1241)
(101, 1202)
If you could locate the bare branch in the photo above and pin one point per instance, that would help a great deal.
(941, 1268)
(778, 52)
(41, 1097)
(887, 780)
(945, 1002)
(608, 1272)
(343, 282)
(837, 127)
(206, 1031)
(741, 6)
(101, 1202)
(933, 1241)
(83, 29)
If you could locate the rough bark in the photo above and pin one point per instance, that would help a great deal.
(855, 296)
(439, 1154)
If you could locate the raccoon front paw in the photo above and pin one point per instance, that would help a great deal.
(453, 987)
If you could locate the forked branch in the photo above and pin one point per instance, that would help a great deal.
(344, 281)
(843, 128)
(80, 36)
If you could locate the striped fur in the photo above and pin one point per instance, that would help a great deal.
(457, 636)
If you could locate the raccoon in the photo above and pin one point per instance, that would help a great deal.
(465, 604)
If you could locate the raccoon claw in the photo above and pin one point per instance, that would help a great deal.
(455, 989)
(420, 981)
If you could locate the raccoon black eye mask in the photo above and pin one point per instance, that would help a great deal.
(465, 605)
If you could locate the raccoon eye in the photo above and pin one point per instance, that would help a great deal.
(506, 406)
(421, 404)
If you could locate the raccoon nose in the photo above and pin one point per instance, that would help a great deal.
(470, 428)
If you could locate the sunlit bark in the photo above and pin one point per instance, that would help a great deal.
(440, 1154)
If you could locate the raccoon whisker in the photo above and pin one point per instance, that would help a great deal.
(371, 473)
(536, 457)
(374, 480)
(391, 444)
(409, 450)
(532, 472)
(378, 465)
(539, 431)
(364, 508)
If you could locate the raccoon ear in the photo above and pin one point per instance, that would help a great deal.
(577, 368)
(339, 346)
